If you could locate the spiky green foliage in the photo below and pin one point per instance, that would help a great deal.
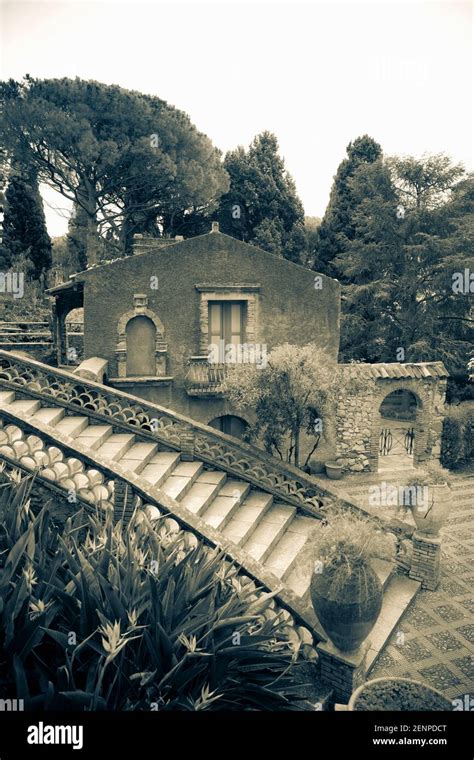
(99, 616)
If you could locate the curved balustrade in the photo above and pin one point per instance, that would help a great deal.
(107, 404)
(244, 460)
(56, 471)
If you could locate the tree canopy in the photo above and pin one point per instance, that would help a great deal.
(410, 227)
(290, 395)
(336, 224)
(262, 206)
(130, 161)
(25, 238)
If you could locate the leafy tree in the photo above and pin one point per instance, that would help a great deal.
(269, 236)
(336, 224)
(262, 206)
(409, 234)
(25, 234)
(289, 395)
(311, 226)
(65, 263)
(130, 161)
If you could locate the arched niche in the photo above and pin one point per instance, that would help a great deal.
(141, 348)
(140, 334)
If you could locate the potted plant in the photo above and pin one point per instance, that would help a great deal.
(345, 590)
(433, 499)
(397, 695)
(333, 469)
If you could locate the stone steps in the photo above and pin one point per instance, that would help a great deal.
(181, 479)
(271, 532)
(399, 593)
(203, 491)
(160, 467)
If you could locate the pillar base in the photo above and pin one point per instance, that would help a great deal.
(186, 438)
(425, 563)
(342, 671)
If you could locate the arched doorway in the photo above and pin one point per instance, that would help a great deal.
(398, 430)
(141, 347)
(230, 425)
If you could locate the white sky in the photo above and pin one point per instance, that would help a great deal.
(316, 74)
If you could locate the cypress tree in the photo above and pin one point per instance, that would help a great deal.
(25, 232)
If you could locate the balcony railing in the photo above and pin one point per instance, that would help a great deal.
(205, 378)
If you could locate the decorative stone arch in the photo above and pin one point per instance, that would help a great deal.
(421, 447)
(140, 309)
(65, 300)
(357, 411)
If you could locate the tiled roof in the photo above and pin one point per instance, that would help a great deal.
(396, 370)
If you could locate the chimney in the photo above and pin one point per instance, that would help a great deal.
(143, 243)
(215, 227)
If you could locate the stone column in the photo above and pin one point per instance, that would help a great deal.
(342, 671)
(425, 563)
(56, 332)
(186, 438)
(420, 453)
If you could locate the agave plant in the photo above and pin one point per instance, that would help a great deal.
(144, 617)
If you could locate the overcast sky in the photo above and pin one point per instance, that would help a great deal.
(316, 74)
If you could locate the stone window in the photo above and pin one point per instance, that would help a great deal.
(141, 349)
(226, 323)
(230, 311)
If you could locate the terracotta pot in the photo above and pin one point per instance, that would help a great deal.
(430, 518)
(398, 695)
(333, 470)
(315, 467)
(347, 601)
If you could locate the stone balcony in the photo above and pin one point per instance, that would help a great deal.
(204, 378)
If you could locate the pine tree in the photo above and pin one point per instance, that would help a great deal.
(336, 223)
(123, 157)
(77, 237)
(25, 233)
(262, 206)
(409, 236)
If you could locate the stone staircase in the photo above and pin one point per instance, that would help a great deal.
(270, 531)
(266, 527)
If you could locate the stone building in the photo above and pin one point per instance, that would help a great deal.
(152, 317)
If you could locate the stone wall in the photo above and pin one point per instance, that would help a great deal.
(358, 419)
(283, 305)
(354, 429)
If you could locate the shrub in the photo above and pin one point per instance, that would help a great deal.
(457, 438)
(350, 537)
(291, 394)
(99, 616)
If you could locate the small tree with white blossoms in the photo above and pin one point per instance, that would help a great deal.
(289, 395)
